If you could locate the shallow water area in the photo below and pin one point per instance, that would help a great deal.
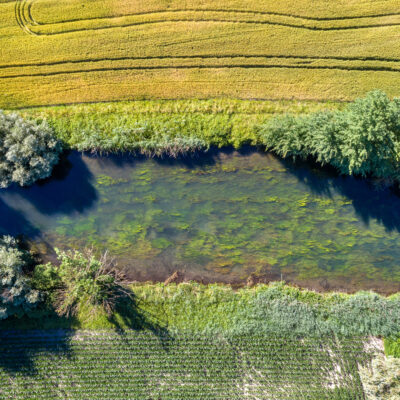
(219, 217)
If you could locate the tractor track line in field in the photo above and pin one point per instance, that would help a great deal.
(201, 57)
(177, 67)
(204, 57)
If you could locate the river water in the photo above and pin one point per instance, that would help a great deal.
(220, 217)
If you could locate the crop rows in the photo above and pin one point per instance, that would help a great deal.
(69, 51)
(141, 365)
(23, 12)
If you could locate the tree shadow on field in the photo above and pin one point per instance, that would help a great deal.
(45, 337)
(370, 200)
(24, 342)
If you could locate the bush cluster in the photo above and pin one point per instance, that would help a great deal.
(363, 139)
(28, 151)
(142, 140)
(392, 346)
(80, 279)
(17, 296)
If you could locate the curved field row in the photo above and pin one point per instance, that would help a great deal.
(23, 13)
(194, 62)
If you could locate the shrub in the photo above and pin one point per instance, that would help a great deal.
(142, 139)
(28, 151)
(16, 294)
(362, 139)
(81, 279)
(392, 347)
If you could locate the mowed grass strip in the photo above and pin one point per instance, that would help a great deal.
(185, 49)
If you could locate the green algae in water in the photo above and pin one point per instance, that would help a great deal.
(223, 217)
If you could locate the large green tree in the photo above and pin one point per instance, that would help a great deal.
(28, 151)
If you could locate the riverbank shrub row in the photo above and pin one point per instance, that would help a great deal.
(363, 139)
(126, 126)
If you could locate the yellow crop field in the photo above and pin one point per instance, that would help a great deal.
(72, 51)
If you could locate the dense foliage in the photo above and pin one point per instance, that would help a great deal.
(28, 151)
(16, 294)
(143, 140)
(269, 309)
(392, 347)
(80, 279)
(363, 139)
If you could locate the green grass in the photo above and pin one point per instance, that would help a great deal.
(219, 122)
(72, 51)
(274, 309)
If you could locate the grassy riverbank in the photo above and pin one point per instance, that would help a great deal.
(217, 309)
(217, 122)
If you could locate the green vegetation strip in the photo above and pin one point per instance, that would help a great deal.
(274, 309)
(120, 125)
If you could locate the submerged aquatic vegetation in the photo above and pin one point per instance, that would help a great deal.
(205, 216)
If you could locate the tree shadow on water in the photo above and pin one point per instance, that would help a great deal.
(68, 190)
(371, 201)
(13, 222)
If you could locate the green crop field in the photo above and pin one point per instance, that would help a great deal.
(144, 365)
(70, 51)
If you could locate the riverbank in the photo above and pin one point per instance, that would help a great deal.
(217, 122)
(274, 309)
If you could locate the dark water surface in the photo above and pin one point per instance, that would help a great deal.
(220, 217)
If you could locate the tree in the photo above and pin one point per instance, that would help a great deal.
(16, 294)
(28, 151)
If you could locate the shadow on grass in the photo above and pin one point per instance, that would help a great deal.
(23, 341)
(129, 316)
